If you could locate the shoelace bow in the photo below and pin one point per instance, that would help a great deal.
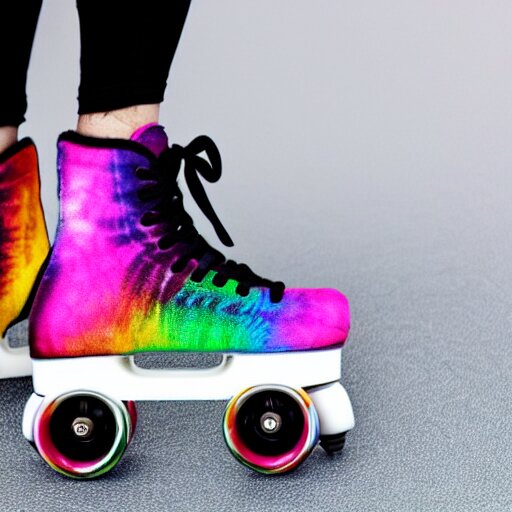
(168, 210)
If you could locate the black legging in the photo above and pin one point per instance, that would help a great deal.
(127, 47)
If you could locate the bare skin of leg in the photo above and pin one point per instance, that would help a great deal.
(8, 136)
(117, 124)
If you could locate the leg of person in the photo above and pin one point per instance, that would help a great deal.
(127, 48)
(23, 237)
(130, 273)
(19, 18)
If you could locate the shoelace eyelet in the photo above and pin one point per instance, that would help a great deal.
(164, 244)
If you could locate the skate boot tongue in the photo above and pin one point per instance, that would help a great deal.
(166, 199)
(152, 136)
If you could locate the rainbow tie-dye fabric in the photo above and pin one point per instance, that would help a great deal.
(23, 238)
(109, 288)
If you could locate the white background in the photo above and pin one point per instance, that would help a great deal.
(333, 118)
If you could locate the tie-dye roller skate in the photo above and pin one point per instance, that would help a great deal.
(23, 248)
(129, 274)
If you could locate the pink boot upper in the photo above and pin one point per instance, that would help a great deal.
(113, 286)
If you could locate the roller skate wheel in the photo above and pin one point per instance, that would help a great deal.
(83, 434)
(271, 429)
(132, 411)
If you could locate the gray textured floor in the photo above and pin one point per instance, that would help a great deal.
(367, 147)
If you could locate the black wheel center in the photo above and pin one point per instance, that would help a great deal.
(270, 422)
(83, 428)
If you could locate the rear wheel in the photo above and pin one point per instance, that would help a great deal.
(83, 434)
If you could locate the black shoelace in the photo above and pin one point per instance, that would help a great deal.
(161, 189)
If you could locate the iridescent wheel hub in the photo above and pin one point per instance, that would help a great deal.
(271, 429)
(82, 434)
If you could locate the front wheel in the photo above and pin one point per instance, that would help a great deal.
(271, 429)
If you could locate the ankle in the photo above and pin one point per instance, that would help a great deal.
(8, 137)
(117, 124)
